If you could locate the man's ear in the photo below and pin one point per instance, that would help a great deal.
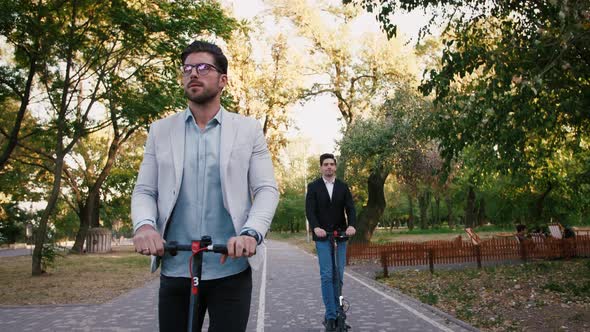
(223, 80)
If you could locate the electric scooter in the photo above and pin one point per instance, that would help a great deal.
(195, 266)
(342, 304)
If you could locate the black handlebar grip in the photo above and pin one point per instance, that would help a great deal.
(171, 247)
(220, 249)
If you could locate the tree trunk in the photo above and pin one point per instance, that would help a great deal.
(540, 203)
(372, 212)
(37, 258)
(90, 210)
(411, 212)
(470, 208)
(481, 212)
(437, 211)
(423, 201)
(95, 213)
(87, 214)
(450, 220)
(60, 152)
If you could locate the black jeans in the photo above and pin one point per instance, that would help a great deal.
(226, 299)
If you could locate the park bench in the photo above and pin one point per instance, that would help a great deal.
(556, 230)
(581, 231)
(504, 235)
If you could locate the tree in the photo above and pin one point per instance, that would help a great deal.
(357, 73)
(264, 85)
(360, 74)
(97, 48)
(31, 42)
(378, 146)
(294, 171)
(513, 85)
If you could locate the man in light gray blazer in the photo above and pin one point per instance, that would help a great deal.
(205, 171)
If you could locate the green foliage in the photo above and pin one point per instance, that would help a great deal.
(356, 72)
(554, 287)
(12, 222)
(290, 213)
(66, 223)
(88, 57)
(428, 298)
(389, 141)
(265, 81)
(50, 252)
(511, 94)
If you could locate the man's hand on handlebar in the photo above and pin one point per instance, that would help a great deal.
(350, 231)
(148, 241)
(319, 232)
(240, 246)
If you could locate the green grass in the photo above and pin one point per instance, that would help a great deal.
(495, 228)
(428, 298)
(109, 275)
(417, 231)
(495, 297)
(553, 287)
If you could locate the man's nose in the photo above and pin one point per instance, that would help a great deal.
(194, 72)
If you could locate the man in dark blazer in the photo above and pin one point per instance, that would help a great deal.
(327, 201)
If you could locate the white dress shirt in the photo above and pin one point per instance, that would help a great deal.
(329, 185)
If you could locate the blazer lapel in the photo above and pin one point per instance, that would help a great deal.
(228, 134)
(177, 144)
(337, 188)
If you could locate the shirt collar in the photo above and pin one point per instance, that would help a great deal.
(328, 181)
(189, 115)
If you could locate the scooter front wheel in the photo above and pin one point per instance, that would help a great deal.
(341, 325)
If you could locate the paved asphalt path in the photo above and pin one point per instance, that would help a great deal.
(286, 297)
(15, 252)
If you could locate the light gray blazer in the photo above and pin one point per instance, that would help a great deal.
(248, 185)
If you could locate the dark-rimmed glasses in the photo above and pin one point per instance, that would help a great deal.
(202, 68)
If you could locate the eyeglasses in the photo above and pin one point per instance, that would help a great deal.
(202, 69)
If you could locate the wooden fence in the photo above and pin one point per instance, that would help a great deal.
(455, 252)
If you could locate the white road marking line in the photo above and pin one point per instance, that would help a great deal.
(393, 299)
(262, 297)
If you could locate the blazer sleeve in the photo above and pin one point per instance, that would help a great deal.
(311, 207)
(144, 208)
(265, 193)
(349, 207)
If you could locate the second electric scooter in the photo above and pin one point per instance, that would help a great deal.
(342, 304)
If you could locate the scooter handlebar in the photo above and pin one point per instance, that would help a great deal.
(339, 235)
(173, 247)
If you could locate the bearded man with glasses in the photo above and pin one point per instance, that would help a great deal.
(205, 171)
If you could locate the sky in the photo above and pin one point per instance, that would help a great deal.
(319, 119)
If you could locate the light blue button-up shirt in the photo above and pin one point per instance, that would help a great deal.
(199, 209)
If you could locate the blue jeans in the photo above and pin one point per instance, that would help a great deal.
(329, 288)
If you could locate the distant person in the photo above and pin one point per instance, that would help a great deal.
(329, 207)
(568, 232)
(521, 233)
(205, 171)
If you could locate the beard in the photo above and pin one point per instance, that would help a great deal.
(201, 98)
